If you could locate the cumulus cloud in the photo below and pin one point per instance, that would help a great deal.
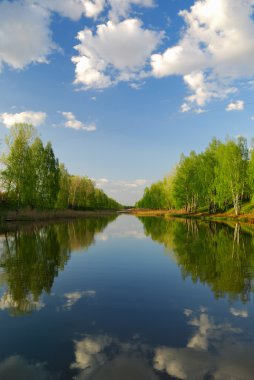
(117, 51)
(72, 122)
(235, 106)
(216, 49)
(29, 117)
(121, 8)
(74, 9)
(25, 34)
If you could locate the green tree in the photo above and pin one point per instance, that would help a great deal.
(18, 174)
(231, 172)
(64, 188)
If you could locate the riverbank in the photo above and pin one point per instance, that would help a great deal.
(27, 215)
(229, 216)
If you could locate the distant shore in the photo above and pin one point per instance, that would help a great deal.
(226, 216)
(28, 215)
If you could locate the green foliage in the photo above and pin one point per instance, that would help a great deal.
(158, 196)
(32, 176)
(220, 177)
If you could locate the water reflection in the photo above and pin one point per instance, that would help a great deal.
(217, 254)
(73, 297)
(31, 258)
(103, 357)
(16, 367)
(214, 352)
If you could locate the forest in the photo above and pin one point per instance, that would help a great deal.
(31, 176)
(215, 180)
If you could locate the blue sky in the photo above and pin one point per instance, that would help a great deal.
(123, 87)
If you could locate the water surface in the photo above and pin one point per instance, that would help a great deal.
(127, 299)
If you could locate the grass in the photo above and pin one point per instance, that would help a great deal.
(43, 215)
(246, 216)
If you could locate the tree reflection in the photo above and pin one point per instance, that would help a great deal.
(213, 253)
(31, 258)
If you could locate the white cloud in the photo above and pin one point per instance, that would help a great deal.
(125, 192)
(235, 106)
(72, 122)
(29, 117)
(116, 52)
(239, 312)
(73, 9)
(25, 34)
(185, 108)
(203, 89)
(101, 181)
(121, 8)
(216, 49)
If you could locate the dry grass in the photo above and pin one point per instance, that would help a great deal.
(225, 216)
(43, 215)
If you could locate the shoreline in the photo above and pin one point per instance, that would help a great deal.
(27, 215)
(218, 217)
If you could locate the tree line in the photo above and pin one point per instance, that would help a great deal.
(217, 179)
(32, 176)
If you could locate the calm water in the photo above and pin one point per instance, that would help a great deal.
(127, 299)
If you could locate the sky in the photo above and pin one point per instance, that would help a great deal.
(122, 87)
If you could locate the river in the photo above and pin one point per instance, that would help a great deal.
(127, 298)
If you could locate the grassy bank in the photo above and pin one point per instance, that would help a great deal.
(246, 216)
(24, 215)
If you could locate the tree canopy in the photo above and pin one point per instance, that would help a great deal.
(220, 177)
(32, 176)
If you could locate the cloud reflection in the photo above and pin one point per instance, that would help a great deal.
(239, 312)
(17, 368)
(29, 304)
(126, 227)
(103, 357)
(213, 352)
(73, 297)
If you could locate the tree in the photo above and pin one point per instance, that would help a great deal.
(51, 177)
(64, 188)
(231, 172)
(18, 175)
